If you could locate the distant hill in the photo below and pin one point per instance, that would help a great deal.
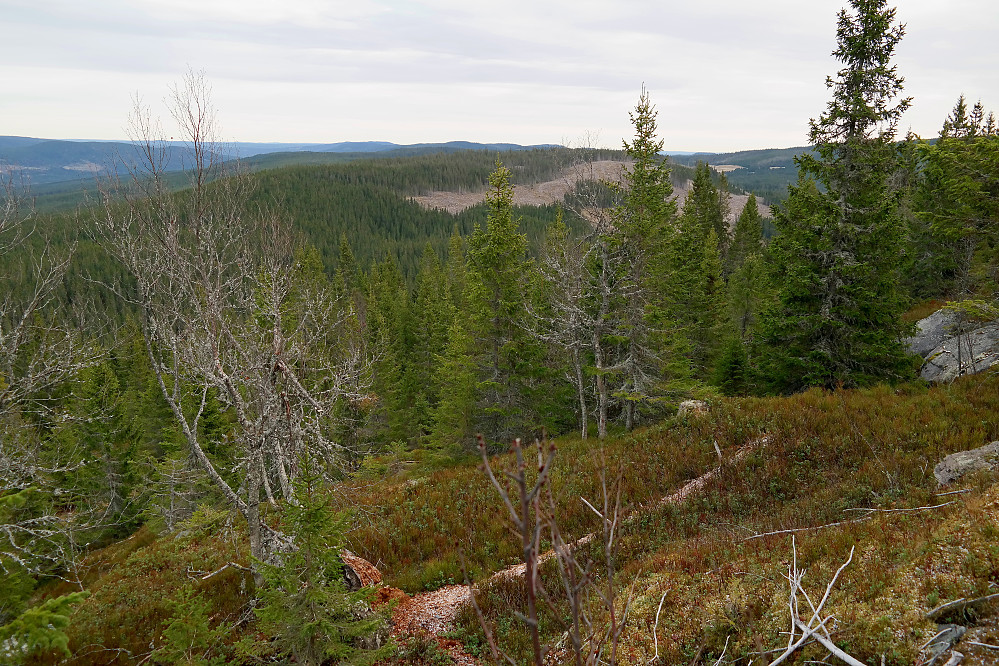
(46, 161)
(61, 169)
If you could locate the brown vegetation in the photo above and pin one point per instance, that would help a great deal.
(553, 191)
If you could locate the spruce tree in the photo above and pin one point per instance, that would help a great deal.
(732, 370)
(432, 314)
(748, 235)
(749, 289)
(654, 345)
(713, 326)
(498, 269)
(708, 204)
(748, 284)
(957, 200)
(456, 379)
(39, 629)
(305, 604)
(838, 320)
(390, 338)
(456, 271)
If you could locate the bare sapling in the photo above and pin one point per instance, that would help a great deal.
(533, 511)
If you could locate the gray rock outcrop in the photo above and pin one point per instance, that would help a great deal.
(956, 465)
(933, 330)
(965, 354)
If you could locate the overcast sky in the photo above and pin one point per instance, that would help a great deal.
(724, 74)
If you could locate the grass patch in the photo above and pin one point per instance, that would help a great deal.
(827, 455)
(133, 583)
(922, 310)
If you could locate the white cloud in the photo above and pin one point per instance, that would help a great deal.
(725, 75)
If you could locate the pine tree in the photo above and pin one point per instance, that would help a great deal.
(838, 320)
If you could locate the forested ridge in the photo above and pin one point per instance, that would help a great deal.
(211, 392)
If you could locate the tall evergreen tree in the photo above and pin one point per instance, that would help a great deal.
(749, 289)
(838, 320)
(645, 229)
(708, 204)
(713, 327)
(453, 417)
(957, 199)
(497, 273)
(390, 334)
(456, 270)
(432, 314)
(748, 235)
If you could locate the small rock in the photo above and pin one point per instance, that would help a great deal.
(956, 465)
(692, 407)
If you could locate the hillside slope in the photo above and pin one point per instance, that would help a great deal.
(838, 471)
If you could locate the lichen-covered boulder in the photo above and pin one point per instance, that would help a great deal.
(692, 407)
(933, 330)
(956, 465)
(965, 354)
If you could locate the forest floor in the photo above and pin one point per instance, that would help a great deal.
(432, 614)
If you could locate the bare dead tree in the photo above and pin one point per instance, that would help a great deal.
(41, 347)
(565, 322)
(601, 290)
(229, 309)
(528, 521)
(583, 278)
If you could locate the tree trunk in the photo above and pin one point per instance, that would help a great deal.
(584, 416)
(252, 513)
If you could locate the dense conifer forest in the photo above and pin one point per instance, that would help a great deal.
(219, 388)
